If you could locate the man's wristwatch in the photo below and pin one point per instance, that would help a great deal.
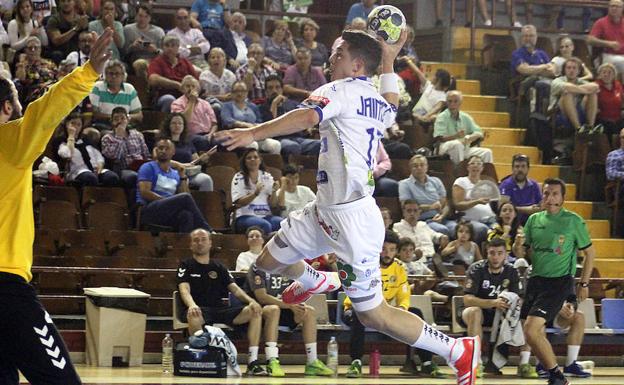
(584, 284)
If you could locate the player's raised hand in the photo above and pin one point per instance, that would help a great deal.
(100, 53)
(236, 138)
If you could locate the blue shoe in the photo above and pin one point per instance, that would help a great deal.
(575, 370)
(541, 370)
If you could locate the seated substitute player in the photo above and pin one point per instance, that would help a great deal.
(267, 290)
(344, 217)
(204, 283)
(486, 279)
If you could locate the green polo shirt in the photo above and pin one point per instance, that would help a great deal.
(445, 125)
(554, 240)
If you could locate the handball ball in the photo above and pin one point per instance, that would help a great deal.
(387, 22)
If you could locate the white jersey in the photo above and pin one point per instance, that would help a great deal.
(353, 118)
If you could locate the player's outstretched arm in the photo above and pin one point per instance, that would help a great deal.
(289, 123)
(389, 53)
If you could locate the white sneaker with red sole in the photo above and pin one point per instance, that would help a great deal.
(295, 293)
(466, 365)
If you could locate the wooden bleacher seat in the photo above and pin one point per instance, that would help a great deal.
(107, 216)
(47, 242)
(91, 195)
(273, 160)
(212, 206)
(82, 239)
(497, 50)
(56, 193)
(54, 260)
(58, 214)
(114, 279)
(307, 177)
(56, 305)
(175, 240)
(227, 257)
(392, 204)
(222, 178)
(400, 169)
(118, 240)
(237, 242)
(424, 303)
(305, 161)
(60, 283)
(133, 251)
(229, 159)
(157, 284)
(275, 172)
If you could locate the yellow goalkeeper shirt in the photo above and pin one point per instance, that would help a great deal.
(21, 142)
(394, 285)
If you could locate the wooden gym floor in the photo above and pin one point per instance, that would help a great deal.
(151, 374)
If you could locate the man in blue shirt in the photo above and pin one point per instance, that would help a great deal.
(212, 17)
(523, 192)
(361, 9)
(164, 193)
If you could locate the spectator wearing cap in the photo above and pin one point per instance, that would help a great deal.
(519, 189)
(166, 71)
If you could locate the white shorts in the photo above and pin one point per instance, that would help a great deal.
(354, 231)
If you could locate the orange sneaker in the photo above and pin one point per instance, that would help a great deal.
(466, 365)
(295, 293)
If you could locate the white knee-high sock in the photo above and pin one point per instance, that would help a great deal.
(573, 352)
(271, 350)
(253, 354)
(439, 343)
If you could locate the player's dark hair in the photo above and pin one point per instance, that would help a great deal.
(6, 94)
(403, 242)
(165, 130)
(553, 181)
(364, 47)
(391, 237)
(243, 165)
(145, 8)
(496, 242)
(466, 224)
(444, 77)
(290, 169)
(118, 110)
(257, 228)
(514, 224)
(274, 78)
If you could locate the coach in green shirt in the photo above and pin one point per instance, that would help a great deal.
(552, 238)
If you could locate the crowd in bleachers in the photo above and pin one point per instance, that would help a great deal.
(140, 153)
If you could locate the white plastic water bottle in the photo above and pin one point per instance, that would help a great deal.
(332, 355)
(167, 354)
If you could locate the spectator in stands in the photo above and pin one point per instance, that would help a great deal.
(385, 186)
(610, 100)
(193, 44)
(309, 30)
(408, 254)
(392, 141)
(509, 229)
(106, 19)
(615, 163)
(198, 113)
(361, 9)
(241, 39)
(33, 73)
(277, 104)
(301, 78)
(387, 217)
(63, 29)
(4, 36)
(203, 283)
(463, 250)
(607, 33)
(430, 194)
(255, 240)
(533, 65)
(166, 71)
(279, 45)
(267, 290)
(477, 211)
(113, 92)
(240, 113)
(212, 17)
(577, 99)
(254, 195)
(458, 132)
(124, 147)
(487, 20)
(6, 9)
(523, 192)
(292, 196)
(216, 81)
(80, 57)
(554, 238)
(85, 165)
(417, 231)
(254, 73)
(143, 41)
(175, 129)
(566, 47)
(405, 100)
(433, 95)
(24, 25)
(396, 290)
(485, 281)
(163, 192)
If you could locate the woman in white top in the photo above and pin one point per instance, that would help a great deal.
(255, 240)
(433, 94)
(254, 195)
(477, 211)
(291, 196)
(566, 48)
(217, 81)
(85, 163)
(24, 25)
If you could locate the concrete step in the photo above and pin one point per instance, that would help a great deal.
(598, 228)
(584, 209)
(504, 153)
(469, 87)
(458, 70)
(490, 119)
(609, 268)
(538, 172)
(609, 248)
(480, 103)
(502, 136)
